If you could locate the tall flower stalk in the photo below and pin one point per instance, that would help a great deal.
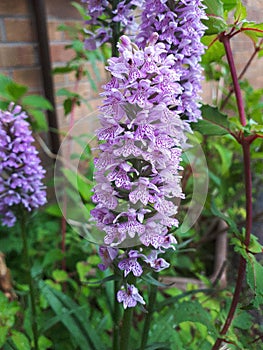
(149, 101)
(21, 187)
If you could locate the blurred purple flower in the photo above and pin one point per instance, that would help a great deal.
(129, 297)
(107, 255)
(21, 172)
(102, 15)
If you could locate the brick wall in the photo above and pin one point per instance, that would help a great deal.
(19, 56)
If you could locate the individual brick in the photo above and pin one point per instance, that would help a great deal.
(7, 7)
(29, 76)
(17, 55)
(19, 30)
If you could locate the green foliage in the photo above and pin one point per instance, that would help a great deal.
(215, 12)
(34, 105)
(213, 122)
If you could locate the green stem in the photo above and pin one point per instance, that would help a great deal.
(126, 329)
(30, 280)
(116, 318)
(115, 26)
(149, 315)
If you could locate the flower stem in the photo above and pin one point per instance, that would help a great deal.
(149, 315)
(115, 26)
(240, 105)
(126, 329)
(29, 277)
(242, 264)
(116, 318)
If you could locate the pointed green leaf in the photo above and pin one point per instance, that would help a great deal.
(20, 340)
(215, 49)
(36, 101)
(241, 12)
(253, 30)
(77, 323)
(229, 4)
(193, 311)
(216, 22)
(40, 121)
(16, 91)
(213, 122)
(255, 280)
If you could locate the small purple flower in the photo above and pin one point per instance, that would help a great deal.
(20, 169)
(107, 255)
(130, 297)
(130, 265)
(158, 264)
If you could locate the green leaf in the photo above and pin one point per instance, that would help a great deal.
(20, 340)
(16, 91)
(215, 12)
(54, 210)
(229, 4)
(253, 30)
(193, 311)
(37, 101)
(4, 82)
(52, 256)
(106, 279)
(150, 280)
(80, 183)
(62, 70)
(44, 343)
(241, 12)
(81, 9)
(254, 246)
(224, 217)
(67, 104)
(213, 122)
(215, 49)
(67, 93)
(40, 120)
(77, 323)
(255, 280)
(226, 157)
(60, 275)
(242, 320)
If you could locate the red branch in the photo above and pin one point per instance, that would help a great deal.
(240, 105)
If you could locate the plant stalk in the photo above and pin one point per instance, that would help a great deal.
(30, 279)
(242, 264)
(126, 329)
(149, 315)
(247, 65)
(116, 318)
(240, 105)
(115, 26)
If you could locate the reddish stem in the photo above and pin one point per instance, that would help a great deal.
(245, 30)
(257, 49)
(240, 105)
(245, 143)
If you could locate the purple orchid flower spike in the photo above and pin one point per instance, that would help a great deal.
(21, 172)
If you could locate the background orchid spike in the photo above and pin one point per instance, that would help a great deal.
(180, 29)
(103, 16)
(21, 172)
